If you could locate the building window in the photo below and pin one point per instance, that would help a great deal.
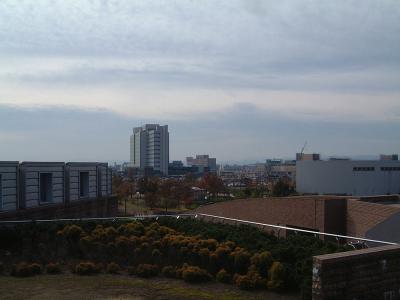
(363, 169)
(84, 184)
(388, 169)
(46, 187)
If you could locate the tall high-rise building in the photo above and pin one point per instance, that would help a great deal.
(150, 148)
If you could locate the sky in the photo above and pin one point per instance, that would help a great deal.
(241, 80)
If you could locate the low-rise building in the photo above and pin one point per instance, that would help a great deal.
(203, 161)
(348, 177)
(41, 183)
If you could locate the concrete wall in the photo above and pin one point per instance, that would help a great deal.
(8, 185)
(339, 177)
(363, 216)
(302, 212)
(99, 207)
(73, 171)
(30, 183)
(104, 176)
(358, 275)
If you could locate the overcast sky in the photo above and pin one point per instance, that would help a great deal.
(240, 80)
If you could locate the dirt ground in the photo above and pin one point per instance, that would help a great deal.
(68, 286)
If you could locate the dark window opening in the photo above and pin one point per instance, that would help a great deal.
(363, 169)
(46, 187)
(84, 184)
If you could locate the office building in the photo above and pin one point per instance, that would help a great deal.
(348, 177)
(149, 148)
(203, 161)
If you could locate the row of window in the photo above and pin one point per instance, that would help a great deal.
(390, 168)
(366, 169)
(363, 169)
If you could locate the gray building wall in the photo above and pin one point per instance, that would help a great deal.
(8, 185)
(73, 176)
(30, 182)
(348, 177)
(386, 230)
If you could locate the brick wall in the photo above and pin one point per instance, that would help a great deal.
(362, 216)
(357, 275)
(101, 207)
(304, 212)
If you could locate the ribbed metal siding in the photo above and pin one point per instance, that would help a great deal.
(8, 186)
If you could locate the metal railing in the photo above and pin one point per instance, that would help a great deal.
(142, 217)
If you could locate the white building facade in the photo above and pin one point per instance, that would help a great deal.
(149, 148)
(348, 177)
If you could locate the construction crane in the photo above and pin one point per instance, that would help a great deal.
(302, 151)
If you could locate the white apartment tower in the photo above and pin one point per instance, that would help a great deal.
(150, 147)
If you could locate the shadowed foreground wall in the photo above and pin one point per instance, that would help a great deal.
(357, 275)
(320, 213)
(101, 207)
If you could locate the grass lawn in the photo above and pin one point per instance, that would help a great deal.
(68, 286)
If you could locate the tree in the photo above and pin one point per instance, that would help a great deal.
(281, 189)
(167, 192)
(150, 199)
(213, 184)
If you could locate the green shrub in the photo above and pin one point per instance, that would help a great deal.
(257, 280)
(276, 275)
(24, 270)
(87, 268)
(244, 282)
(263, 262)
(146, 270)
(21, 269)
(113, 268)
(241, 261)
(131, 270)
(36, 268)
(193, 274)
(156, 256)
(169, 271)
(53, 268)
(72, 232)
(223, 276)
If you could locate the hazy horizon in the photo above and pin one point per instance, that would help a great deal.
(240, 80)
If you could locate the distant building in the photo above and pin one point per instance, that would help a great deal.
(149, 148)
(305, 156)
(176, 168)
(203, 161)
(389, 157)
(348, 177)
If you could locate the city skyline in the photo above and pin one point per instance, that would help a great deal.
(240, 80)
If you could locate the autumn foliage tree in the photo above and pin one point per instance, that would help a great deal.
(213, 184)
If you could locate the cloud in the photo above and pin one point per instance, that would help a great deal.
(243, 132)
(207, 66)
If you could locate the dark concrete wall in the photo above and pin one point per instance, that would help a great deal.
(357, 275)
(101, 207)
(324, 214)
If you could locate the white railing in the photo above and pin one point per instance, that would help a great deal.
(141, 217)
